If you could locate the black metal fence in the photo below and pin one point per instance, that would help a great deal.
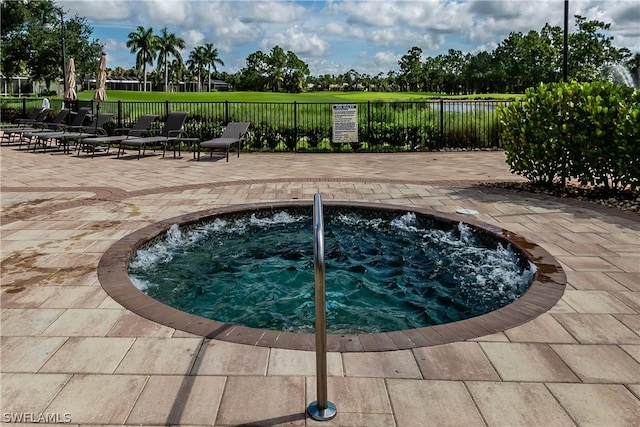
(302, 126)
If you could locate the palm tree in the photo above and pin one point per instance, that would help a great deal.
(177, 70)
(211, 59)
(144, 44)
(197, 62)
(168, 45)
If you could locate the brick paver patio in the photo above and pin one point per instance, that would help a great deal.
(70, 352)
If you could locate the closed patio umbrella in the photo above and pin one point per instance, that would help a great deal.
(100, 94)
(70, 93)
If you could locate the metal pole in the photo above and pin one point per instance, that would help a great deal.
(321, 409)
(565, 50)
(64, 56)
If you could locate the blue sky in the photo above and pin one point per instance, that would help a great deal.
(332, 36)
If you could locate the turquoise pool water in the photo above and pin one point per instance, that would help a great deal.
(384, 271)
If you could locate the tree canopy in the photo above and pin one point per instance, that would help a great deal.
(28, 48)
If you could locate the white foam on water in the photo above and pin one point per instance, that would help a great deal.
(277, 219)
(355, 220)
(405, 222)
(178, 240)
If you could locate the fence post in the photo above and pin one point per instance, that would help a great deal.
(441, 123)
(119, 113)
(295, 126)
(369, 123)
(166, 108)
(24, 107)
(226, 112)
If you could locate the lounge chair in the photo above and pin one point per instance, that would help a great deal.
(171, 130)
(37, 116)
(139, 129)
(39, 136)
(26, 125)
(95, 127)
(234, 134)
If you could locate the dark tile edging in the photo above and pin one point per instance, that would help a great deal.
(546, 289)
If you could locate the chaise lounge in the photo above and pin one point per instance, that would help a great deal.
(234, 134)
(171, 131)
(139, 129)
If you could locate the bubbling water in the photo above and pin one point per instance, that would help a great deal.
(384, 271)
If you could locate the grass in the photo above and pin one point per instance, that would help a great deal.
(327, 96)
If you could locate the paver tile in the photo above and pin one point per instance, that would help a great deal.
(633, 351)
(437, 403)
(353, 394)
(252, 401)
(517, 404)
(75, 297)
(631, 321)
(28, 321)
(178, 400)
(30, 393)
(27, 354)
(630, 280)
(83, 322)
(587, 263)
(170, 356)
(51, 249)
(593, 280)
(598, 404)
(88, 355)
(599, 363)
(25, 297)
(456, 361)
(387, 364)
(596, 302)
(542, 329)
(98, 399)
(527, 362)
(133, 325)
(629, 264)
(301, 363)
(223, 358)
(630, 299)
(597, 329)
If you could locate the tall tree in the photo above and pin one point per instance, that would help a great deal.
(168, 45)
(30, 49)
(276, 61)
(411, 68)
(196, 62)
(211, 59)
(144, 44)
(590, 48)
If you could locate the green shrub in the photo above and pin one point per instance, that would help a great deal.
(583, 131)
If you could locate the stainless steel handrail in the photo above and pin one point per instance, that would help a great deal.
(321, 409)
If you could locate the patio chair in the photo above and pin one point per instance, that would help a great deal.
(38, 116)
(139, 129)
(171, 130)
(25, 125)
(76, 135)
(234, 134)
(41, 138)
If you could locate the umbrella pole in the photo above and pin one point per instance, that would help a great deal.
(97, 117)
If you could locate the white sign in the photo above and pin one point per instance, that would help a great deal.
(345, 123)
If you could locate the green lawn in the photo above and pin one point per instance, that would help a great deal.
(334, 97)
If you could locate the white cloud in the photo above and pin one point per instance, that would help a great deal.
(298, 41)
(335, 31)
(270, 11)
